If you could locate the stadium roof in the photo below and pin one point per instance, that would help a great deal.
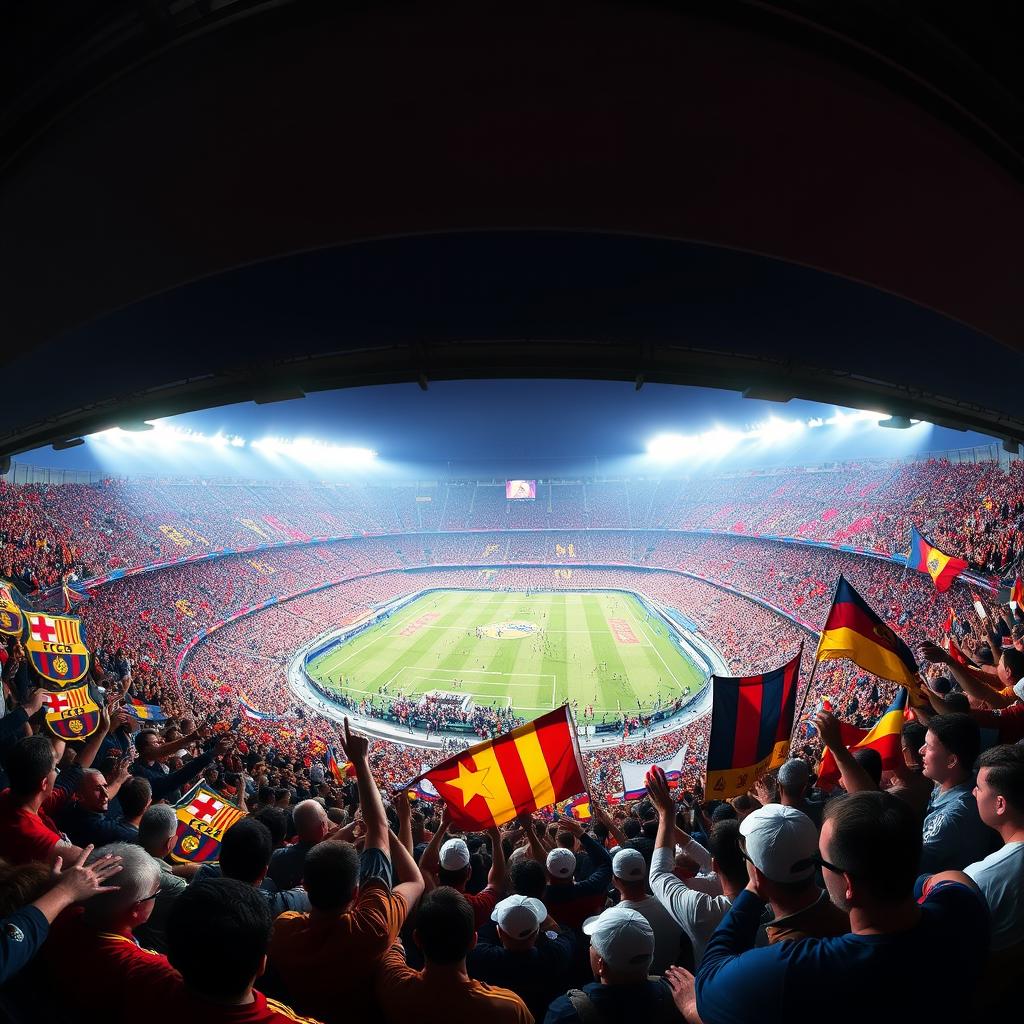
(209, 203)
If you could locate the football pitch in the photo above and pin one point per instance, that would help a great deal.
(533, 651)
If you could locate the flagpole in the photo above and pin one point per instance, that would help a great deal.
(814, 667)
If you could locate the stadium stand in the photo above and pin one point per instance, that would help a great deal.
(326, 555)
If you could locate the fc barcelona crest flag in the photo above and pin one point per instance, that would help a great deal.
(203, 817)
(56, 648)
(72, 714)
(12, 616)
(751, 719)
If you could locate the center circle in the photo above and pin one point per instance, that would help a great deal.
(508, 630)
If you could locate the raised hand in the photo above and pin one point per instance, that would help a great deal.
(356, 747)
(934, 653)
(657, 789)
(829, 729)
(79, 881)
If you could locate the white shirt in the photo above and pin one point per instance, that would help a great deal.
(695, 912)
(1000, 877)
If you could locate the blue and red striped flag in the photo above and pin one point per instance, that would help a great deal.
(751, 720)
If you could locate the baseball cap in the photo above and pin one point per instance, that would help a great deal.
(794, 772)
(623, 938)
(454, 855)
(781, 842)
(561, 862)
(1018, 689)
(629, 865)
(519, 916)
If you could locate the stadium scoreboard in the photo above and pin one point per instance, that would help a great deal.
(521, 490)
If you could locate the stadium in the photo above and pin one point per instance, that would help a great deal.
(511, 515)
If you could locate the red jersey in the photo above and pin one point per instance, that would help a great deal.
(25, 836)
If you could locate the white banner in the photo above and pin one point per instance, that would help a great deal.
(633, 772)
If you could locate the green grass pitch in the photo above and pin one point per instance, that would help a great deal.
(533, 650)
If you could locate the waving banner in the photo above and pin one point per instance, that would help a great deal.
(56, 648)
(203, 817)
(635, 772)
(12, 617)
(72, 714)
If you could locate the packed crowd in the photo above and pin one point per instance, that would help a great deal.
(349, 900)
(975, 510)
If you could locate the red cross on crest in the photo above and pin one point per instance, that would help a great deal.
(205, 808)
(41, 629)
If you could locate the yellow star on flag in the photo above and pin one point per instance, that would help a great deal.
(471, 783)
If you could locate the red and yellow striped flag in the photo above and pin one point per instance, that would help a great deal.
(531, 767)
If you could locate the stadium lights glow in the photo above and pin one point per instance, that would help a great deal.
(308, 450)
(719, 441)
(165, 436)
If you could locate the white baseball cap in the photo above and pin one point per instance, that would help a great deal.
(623, 938)
(1018, 689)
(519, 917)
(454, 855)
(781, 842)
(629, 865)
(561, 862)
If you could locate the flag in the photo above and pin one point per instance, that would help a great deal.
(339, 772)
(885, 737)
(1017, 594)
(73, 598)
(955, 653)
(256, 716)
(56, 648)
(854, 631)
(580, 808)
(531, 767)
(72, 714)
(925, 557)
(145, 712)
(203, 817)
(751, 720)
(12, 610)
(634, 773)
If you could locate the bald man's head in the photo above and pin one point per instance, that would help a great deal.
(311, 821)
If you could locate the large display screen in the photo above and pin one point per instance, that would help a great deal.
(519, 490)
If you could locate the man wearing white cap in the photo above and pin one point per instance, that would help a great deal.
(532, 956)
(780, 846)
(570, 902)
(621, 953)
(447, 862)
(629, 876)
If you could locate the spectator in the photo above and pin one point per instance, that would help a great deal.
(445, 933)
(621, 952)
(313, 826)
(86, 819)
(1000, 876)
(954, 835)
(135, 797)
(451, 866)
(532, 957)
(158, 832)
(629, 876)
(780, 846)
(794, 783)
(34, 896)
(325, 957)
(697, 913)
(570, 902)
(870, 849)
(245, 854)
(234, 920)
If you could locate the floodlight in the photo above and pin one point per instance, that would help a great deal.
(897, 423)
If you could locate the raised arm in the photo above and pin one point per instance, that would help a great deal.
(409, 880)
(429, 862)
(969, 679)
(855, 778)
(357, 750)
(496, 876)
